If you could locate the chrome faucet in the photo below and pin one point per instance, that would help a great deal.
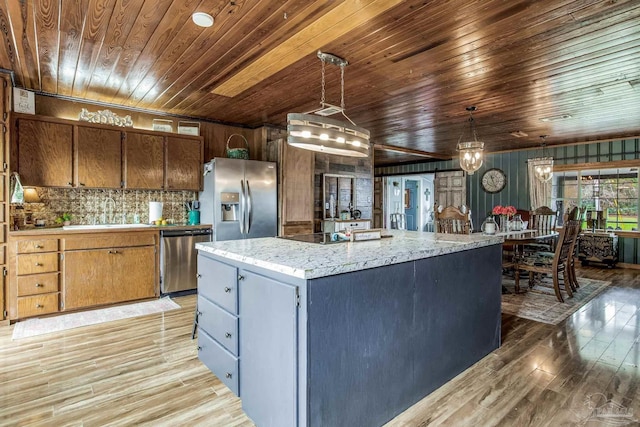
(104, 210)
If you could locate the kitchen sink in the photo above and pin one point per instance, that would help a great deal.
(103, 226)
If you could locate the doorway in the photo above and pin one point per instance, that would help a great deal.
(409, 202)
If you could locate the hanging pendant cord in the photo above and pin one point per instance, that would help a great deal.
(322, 98)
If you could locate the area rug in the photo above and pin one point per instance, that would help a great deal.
(541, 304)
(33, 327)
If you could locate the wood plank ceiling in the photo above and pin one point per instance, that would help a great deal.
(569, 69)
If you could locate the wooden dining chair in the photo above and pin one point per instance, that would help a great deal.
(544, 220)
(452, 220)
(554, 263)
(578, 214)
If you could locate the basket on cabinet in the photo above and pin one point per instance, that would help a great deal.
(238, 153)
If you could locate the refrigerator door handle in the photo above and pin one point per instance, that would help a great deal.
(242, 207)
(249, 208)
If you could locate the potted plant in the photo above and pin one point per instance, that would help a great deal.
(64, 219)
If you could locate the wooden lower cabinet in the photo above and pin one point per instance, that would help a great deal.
(65, 272)
(106, 276)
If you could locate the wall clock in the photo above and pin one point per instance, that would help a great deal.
(493, 180)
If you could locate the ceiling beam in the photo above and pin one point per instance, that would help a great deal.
(336, 23)
(412, 152)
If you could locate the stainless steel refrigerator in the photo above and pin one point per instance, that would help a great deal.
(239, 199)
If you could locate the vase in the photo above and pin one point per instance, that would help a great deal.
(504, 223)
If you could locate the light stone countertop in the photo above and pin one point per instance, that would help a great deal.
(310, 260)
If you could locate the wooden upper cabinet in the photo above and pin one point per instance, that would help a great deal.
(44, 153)
(184, 163)
(144, 161)
(296, 178)
(99, 158)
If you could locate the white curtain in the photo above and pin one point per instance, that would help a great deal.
(539, 192)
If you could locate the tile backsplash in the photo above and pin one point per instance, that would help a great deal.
(95, 206)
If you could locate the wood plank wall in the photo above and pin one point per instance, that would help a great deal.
(514, 164)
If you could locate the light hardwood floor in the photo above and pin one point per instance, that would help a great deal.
(146, 372)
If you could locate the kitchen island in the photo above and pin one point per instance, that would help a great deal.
(345, 333)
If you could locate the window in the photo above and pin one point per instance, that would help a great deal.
(610, 196)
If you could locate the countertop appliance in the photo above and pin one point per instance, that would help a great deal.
(178, 258)
(239, 199)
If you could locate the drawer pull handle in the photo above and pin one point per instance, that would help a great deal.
(38, 246)
(227, 335)
(199, 348)
(38, 305)
(199, 313)
(228, 375)
(38, 264)
(227, 289)
(113, 252)
(198, 276)
(240, 277)
(39, 285)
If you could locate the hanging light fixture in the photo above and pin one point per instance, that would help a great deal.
(315, 131)
(543, 166)
(470, 151)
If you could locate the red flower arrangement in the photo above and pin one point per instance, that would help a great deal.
(509, 211)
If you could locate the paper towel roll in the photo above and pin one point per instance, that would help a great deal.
(155, 211)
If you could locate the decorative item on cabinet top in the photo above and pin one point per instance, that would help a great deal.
(105, 117)
(162, 125)
(23, 101)
(189, 128)
(238, 153)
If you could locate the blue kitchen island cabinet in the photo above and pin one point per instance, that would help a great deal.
(352, 334)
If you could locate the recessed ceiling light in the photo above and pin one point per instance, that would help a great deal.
(202, 19)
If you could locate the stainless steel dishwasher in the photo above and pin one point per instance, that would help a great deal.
(178, 258)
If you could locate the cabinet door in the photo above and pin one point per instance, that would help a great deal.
(268, 347)
(134, 273)
(296, 179)
(105, 276)
(144, 161)
(44, 153)
(184, 163)
(99, 158)
(87, 278)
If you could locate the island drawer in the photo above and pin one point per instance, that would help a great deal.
(37, 263)
(218, 323)
(37, 284)
(34, 246)
(38, 304)
(218, 282)
(223, 364)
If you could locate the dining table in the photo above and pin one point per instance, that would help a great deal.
(517, 239)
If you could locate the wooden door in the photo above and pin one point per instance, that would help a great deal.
(99, 158)
(451, 188)
(378, 202)
(296, 190)
(134, 273)
(44, 153)
(144, 161)
(184, 163)
(87, 278)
